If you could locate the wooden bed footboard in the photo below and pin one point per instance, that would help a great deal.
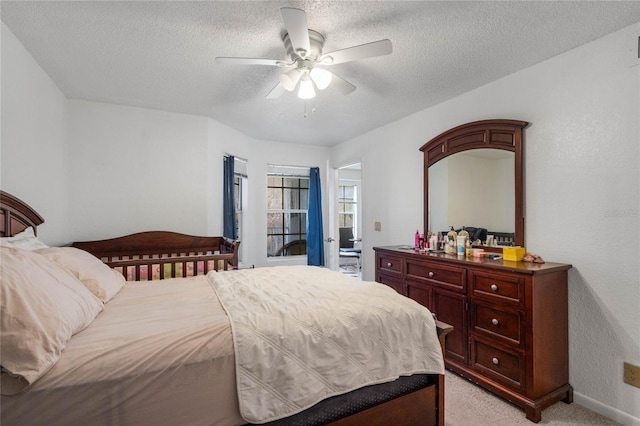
(161, 254)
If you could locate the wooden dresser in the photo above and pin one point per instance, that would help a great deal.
(510, 320)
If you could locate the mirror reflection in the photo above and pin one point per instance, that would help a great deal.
(474, 188)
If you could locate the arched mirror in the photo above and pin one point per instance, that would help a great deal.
(473, 177)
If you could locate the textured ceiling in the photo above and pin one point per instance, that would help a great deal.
(161, 55)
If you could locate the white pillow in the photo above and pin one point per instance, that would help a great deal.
(100, 279)
(41, 306)
(26, 240)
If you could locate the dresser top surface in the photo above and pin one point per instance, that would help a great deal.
(501, 264)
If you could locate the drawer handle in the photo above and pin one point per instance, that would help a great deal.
(494, 287)
(389, 265)
(431, 274)
(495, 321)
(495, 361)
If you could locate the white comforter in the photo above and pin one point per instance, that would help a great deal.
(302, 334)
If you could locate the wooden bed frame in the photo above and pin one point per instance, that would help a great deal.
(422, 407)
(16, 216)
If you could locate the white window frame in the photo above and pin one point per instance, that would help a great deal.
(286, 172)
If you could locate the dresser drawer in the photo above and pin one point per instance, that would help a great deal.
(392, 281)
(500, 364)
(445, 276)
(501, 323)
(498, 288)
(389, 264)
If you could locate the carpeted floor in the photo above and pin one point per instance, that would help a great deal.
(467, 404)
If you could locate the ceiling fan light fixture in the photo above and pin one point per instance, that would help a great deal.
(304, 51)
(306, 90)
(322, 78)
(290, 79)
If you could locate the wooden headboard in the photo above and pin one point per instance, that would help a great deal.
(16, 216)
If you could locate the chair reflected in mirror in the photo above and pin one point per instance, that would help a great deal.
(348, 250)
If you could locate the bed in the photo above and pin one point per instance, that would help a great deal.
(171, 351)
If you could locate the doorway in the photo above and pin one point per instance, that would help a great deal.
(348, 213)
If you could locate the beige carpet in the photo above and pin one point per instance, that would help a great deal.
(467, 404)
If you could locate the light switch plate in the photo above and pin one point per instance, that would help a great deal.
(377, 226)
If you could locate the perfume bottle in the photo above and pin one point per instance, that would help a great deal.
(464, 233)
(452, 237)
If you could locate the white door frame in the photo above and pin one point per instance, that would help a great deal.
(334, 183)
(330, 240)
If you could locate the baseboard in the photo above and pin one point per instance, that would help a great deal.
(605, 410)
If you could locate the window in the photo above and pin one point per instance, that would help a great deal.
(287, 201)
(347, 206)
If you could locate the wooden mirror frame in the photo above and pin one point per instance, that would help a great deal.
(501, 134)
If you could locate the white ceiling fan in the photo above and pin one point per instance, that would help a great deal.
(304, 49)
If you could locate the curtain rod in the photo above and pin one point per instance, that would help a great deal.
(289, 166)
(226, 154)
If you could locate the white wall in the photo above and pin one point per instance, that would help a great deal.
(33, 156)
(581, 188)
(474, 182)
(439, 197)
(135, 170)
(473, 191)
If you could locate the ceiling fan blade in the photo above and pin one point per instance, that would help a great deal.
(363, 51)
(341, 85)
(276, 92)
(251, 61)
(295, 22)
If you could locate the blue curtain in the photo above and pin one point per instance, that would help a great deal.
(229, 199)
(315, 237)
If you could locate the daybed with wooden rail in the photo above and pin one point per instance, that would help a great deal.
(165, 254)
